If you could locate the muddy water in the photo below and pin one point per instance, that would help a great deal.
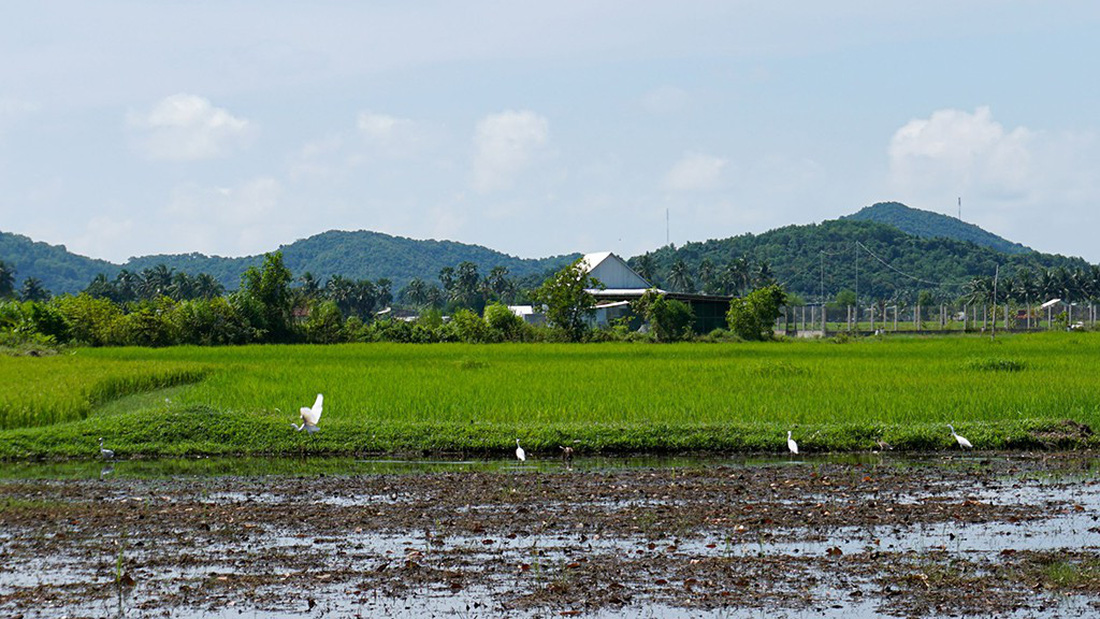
(1008, 535)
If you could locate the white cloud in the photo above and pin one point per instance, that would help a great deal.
(238, 220)
(185, 127)
(1032, 186)
(696, 172)
(504, 145)
(962, 153)
(391, 136)
(103, 235)
(317, 160)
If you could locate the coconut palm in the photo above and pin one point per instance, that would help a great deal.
(33, 290)
(7, 280)
(207, 287)
(679, 277)
(415, 292)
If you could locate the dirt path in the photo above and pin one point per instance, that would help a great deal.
(943, 535)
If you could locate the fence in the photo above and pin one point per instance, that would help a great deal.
(811, 320)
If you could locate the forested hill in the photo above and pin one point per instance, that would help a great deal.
(57, 268)
(356, 255)
(929, 225)
(878, 260)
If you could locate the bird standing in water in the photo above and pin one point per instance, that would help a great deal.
(310, 416)
(103, 451)
(961, 439)
(793, 446)
(520, 454)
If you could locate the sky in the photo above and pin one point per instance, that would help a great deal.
(541, 128)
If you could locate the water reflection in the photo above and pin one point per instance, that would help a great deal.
(255, 467)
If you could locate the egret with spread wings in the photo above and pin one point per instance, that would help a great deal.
(311, 416)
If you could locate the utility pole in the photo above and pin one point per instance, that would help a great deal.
(960, 208)
(993, 328)
(856, 247)
(823, 292)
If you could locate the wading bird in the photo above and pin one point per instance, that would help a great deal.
(310, 416)
(793, 446)
(566, 454)
(961, 439)
(103, 451)
(520, 453)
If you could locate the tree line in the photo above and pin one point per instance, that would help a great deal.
(161, 307)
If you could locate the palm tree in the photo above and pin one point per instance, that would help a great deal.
(7, 280)
(155, 282)
(310, 288)
(706, 274)
(33, 290)
(207, 287)
(643, 265)
(679, 277)
(182, 287)
(125, 286)
(415, 292)
(736, 276)
(498, 283)
(763, 276)
(979, 290)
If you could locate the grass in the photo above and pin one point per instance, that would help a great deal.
(1015, 392)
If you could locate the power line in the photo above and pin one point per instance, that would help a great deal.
(909, 275)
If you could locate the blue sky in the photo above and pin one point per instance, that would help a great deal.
(229, 128)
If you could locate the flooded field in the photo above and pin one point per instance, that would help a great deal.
(1013, 535)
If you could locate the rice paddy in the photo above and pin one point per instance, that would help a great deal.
(1015, 392)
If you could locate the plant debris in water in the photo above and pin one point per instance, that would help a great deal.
(885, 538)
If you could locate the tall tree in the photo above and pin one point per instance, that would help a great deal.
(415, 293)
(568, 301)
(7, 280)
(207, 287)
(645, 267)
(267, 291)
(33, 290)
(154, 282)
(737, 276)
(679, 277)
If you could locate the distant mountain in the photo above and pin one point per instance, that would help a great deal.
(929, 225)
(878, 260)
(57, 268)
(357, 255)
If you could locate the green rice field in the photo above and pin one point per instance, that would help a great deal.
(1022, 391)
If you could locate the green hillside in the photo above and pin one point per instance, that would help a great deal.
(878, 260)
(929, 225)
(356, 255)
(58, 269)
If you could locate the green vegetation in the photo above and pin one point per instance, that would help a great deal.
(887, 265)
(613, 398)
(929, 225)
(353, 255)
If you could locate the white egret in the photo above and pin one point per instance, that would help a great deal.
(522, 455)
(103, 451)
(793, 446)
(310, 416)
(961, 439)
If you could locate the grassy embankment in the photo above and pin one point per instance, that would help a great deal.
(1016, 392)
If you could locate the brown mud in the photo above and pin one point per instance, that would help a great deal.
(1005, 535)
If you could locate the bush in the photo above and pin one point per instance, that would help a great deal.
(470, 328)
(503, 324)
(325, 324)
(752, 317)
(669, 320)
